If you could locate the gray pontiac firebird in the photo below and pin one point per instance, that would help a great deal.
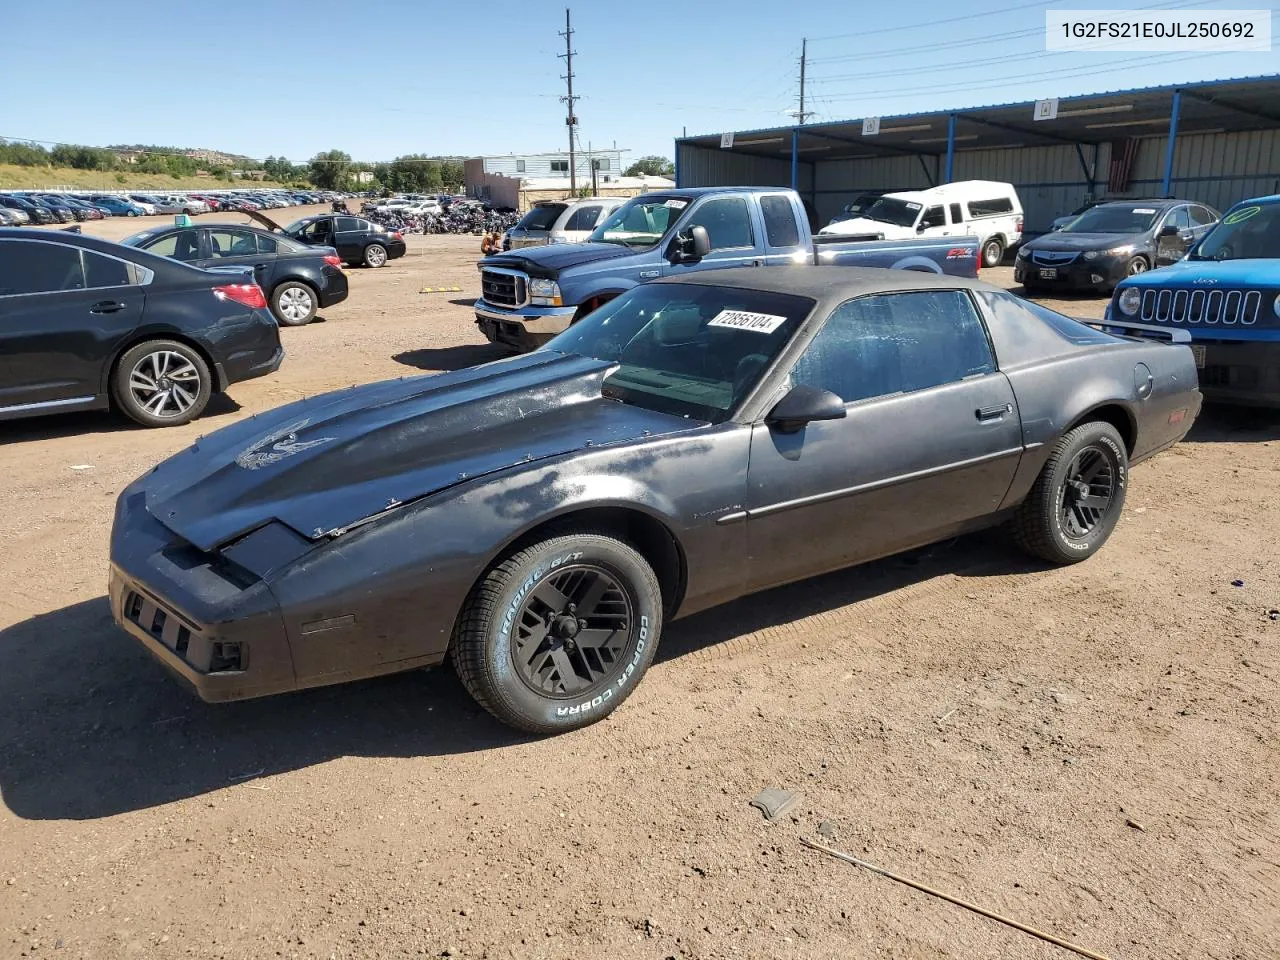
(538, 519)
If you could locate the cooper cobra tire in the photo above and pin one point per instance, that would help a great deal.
(161, 383)
(557, 635)
(1077, 499)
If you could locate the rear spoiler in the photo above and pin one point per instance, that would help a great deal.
(1142, 331)
(74, 228)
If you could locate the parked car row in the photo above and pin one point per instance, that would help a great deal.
(34, 207)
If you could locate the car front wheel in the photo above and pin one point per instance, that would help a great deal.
(375, 255)
(162, 383)
(1076, 501)
(557, 635)
(294, 304)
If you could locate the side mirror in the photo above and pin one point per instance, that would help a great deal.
(921, 227)
(804, 404)
(1168, 230)
(691, 245)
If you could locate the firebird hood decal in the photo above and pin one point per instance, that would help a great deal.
(280, 444)
(322, 464)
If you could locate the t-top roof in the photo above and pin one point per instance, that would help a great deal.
(1247, 103)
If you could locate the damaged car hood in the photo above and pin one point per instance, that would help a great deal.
(322, 464)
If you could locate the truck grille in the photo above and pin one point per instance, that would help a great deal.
(1202, 306)
(504, 289)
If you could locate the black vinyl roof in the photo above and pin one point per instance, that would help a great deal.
(1248, 103)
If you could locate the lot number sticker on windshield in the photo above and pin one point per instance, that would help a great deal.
(742, 320)
(676, 204)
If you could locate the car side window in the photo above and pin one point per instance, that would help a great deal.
(891, 343)
(1202, 216)
(39, 268)
(232, 243)
(348, 224)
(779, 222)
(957, 215)
(727, 222)
(267, 244)
(933, 217)
(165, 246)
(584, 218)
(1177, 217)
(100, 271)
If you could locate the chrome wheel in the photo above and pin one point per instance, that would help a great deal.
(295, 304)
(375, 256)
(1136, 266)
(164, 384)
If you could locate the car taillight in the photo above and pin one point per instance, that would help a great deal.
(395, 235)
(332, 260)
(1018, 225)
(246, 294)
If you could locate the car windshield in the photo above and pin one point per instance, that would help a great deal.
(1114, 218)
(542, 217)
(641, 221)
(900, 213)
(691, 350)
(1251, 231)
(138, 238)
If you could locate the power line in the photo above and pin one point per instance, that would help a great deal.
(935, 23)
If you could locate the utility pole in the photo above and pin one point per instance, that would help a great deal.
(571, 121)
(804, 50)
(591, 162)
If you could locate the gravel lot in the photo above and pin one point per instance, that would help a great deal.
(1091, 750)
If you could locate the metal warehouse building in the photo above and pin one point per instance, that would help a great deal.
(1216, 142)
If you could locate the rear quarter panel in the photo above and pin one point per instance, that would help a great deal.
(950, 256)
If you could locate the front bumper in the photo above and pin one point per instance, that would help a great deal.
(524, 328)
(1102, 273)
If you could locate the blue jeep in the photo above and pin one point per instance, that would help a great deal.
(1224, 299)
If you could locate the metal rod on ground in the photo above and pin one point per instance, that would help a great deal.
(990, 914)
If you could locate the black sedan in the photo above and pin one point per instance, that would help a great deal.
(540, 518)
(357, 240)
(1111, 241)
(299, 280)
(37, 213)
(86, 324)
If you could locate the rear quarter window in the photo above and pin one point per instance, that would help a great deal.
(779, 222)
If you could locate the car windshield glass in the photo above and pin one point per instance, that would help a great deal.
(138, 238)
(641, 221)
(541, 218)
(1111, 218)
(687, 349)
(901, 213)
(1249, 232)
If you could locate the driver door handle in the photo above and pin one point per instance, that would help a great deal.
(108, 306)
(994, 412)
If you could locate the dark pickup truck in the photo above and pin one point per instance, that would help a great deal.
(531, 295)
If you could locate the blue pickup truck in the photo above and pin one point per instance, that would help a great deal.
(1223, 298)
(532, 294)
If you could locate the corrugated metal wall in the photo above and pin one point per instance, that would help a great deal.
(1218, 169)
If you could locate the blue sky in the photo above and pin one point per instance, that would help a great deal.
(385, 78)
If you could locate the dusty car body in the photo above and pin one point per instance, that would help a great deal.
(521, 511)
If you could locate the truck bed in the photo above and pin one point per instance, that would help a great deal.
(952, 256)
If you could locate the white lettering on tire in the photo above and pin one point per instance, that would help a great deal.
(607, 694)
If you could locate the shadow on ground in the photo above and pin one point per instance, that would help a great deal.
(91, 726)
(1222, 423)
(91, 422)
(451, 358)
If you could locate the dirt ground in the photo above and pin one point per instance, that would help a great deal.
(1090, 750)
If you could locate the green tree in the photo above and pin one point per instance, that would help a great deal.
(330, 170)
(451, 175)
(651, 167)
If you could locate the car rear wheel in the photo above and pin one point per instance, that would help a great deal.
(1076, 501)
(992, 252)
(294, 304)
(557, 635)
(162, 383)
(375, 255)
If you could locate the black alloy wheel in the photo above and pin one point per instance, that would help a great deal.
(1086, 492)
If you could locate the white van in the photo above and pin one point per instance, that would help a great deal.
(986, 209)
(561, 221)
